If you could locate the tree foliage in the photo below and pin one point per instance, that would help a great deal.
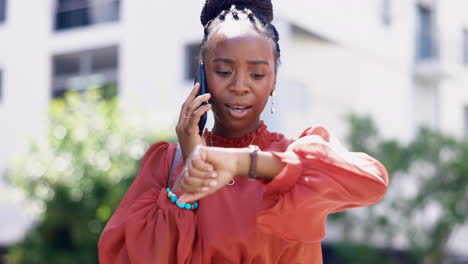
(78, 175)
(428, 193)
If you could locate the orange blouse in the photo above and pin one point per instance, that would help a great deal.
(282, 221)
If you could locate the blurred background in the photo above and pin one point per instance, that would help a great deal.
(87, 85)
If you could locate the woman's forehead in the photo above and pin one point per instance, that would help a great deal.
(248, 45)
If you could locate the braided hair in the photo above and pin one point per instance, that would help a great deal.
(258, 12)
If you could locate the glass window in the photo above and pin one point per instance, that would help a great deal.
(1, 86)
(191, 60)
(386, 12)
(78, 13)
(82, 70)
(465, 46)
(424, 38)
(2, 10)
(66, 64)
(104, 59)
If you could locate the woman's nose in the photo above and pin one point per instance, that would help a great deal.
(239, 85)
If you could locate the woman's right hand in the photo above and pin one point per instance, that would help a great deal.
(190, 114)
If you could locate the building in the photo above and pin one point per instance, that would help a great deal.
(404, 62)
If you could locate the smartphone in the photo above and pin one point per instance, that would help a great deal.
(203, 90)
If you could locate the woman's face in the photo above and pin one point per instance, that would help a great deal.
(240, 73)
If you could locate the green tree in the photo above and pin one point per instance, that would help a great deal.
(78, 175)
(434, 166)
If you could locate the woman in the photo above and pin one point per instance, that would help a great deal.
(277, 216)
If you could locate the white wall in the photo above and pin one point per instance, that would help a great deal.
(25, 62)
(370, 66)
(26, 75)
(340, 80)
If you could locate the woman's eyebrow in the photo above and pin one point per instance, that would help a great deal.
(258, 62)
(231, 61)
(225, 60)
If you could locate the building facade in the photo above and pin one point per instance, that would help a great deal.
(403, 62)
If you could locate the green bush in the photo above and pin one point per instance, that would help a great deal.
(78, 175)
(435, 167)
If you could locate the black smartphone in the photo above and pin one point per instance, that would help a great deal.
(203, 90)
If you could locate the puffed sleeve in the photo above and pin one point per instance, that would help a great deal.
(320, 177)
(147, 227)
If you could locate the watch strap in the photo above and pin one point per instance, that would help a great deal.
(253, 161)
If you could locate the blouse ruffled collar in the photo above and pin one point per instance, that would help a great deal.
(260, 137)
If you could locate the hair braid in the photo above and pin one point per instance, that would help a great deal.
(222, 16)
(250, 15)
(212, 8)
(234, 13)
(258, 12)
(275, 38)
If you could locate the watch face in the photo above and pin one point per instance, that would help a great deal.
(253, 147)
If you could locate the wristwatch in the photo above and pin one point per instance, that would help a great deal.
(253, 161)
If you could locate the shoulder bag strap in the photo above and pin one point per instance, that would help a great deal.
(175, 162)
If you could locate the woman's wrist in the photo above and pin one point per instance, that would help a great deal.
(267, 165)
(243, 162)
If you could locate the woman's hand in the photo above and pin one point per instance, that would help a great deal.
(190, 114)
(207, 170)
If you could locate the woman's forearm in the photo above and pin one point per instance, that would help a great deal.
(267, 165)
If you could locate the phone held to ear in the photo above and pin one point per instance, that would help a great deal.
(203, 90)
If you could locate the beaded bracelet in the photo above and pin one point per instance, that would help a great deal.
(175, 200)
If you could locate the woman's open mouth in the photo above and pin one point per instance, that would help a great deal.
(238, 111)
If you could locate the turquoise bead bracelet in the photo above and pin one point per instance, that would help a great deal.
(173, 198)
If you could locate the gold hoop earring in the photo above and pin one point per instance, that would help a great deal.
(272, 110)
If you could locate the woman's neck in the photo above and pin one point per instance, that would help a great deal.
(220, 130)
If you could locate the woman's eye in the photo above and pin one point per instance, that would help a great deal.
(223, 73)
(257, 76)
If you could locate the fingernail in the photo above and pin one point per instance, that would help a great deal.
(214, 175)
(213, 183)
(204, 189)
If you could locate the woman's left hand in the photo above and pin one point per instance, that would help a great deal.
(225, 163)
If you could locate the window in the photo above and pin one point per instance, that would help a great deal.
(466, 120)
(2, 10)
(1, 85)
(191, 60)
(77, 13)
(465, 46)
(81, 70)
(424, 34)
(386, 12)
(425, 106)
